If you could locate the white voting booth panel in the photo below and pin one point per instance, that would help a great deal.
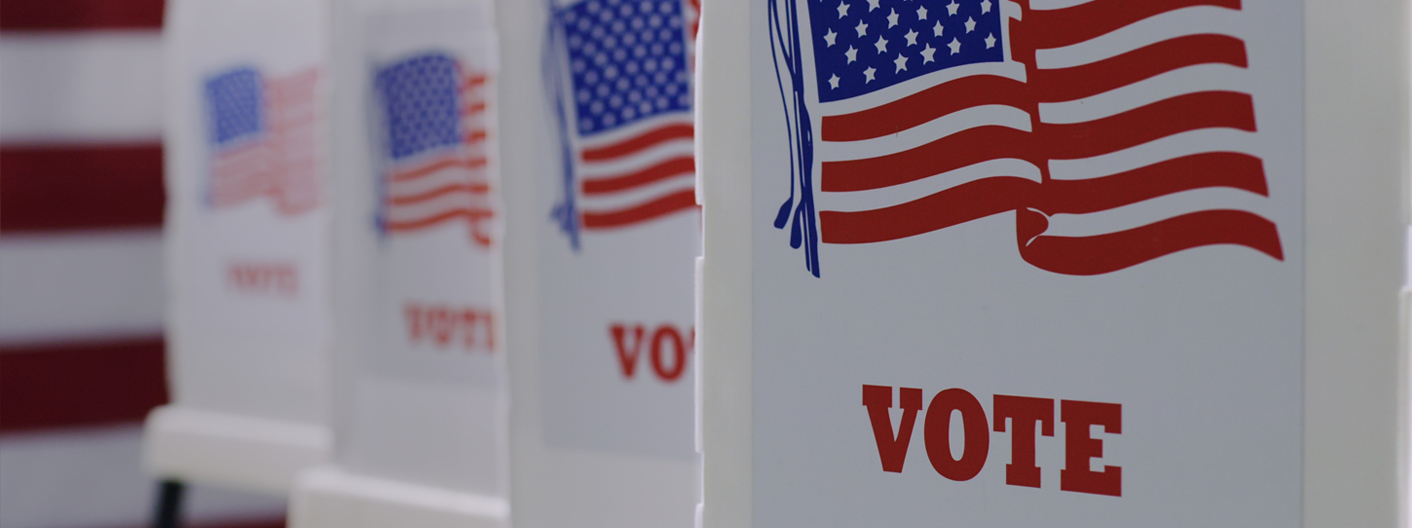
(602, 233)
(247, 244)
(420, 410)
(1053, 262)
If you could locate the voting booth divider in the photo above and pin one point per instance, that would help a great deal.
(1038, 262)
(1007, 263)
(419, 381)
(602, 233)
(248, 329)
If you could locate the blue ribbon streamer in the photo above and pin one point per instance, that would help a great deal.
(800, 216)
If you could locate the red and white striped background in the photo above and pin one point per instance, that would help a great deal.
(81, 289)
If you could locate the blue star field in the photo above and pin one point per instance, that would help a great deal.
(420, 100)
(861, 46)
(235, 101)
(627, 61)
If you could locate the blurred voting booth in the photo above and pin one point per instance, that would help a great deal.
(1040, 262)
(603, 231)
(247, 244)
(419, 376)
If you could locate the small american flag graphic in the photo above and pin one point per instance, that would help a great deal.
(1115, 129)
(623, 84)
(434, 117)
(264, 139)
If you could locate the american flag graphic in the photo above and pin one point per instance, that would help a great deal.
(264, 139)
(623, 84)
(434, 117)
(1114, 129)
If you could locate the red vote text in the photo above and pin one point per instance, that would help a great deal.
(468, 329)
(664, 348)
(1024, 418)
(263, 278)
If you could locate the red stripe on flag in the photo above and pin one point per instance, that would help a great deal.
(640, 142)
(1071, 25)
(952, 152)
(474, 136)
(923, 106)
(1198, 171)
(956, 205)
(672, 167)
(662, 206)
(412, 174)
(79, 384)
(473, 109)
(1068, 84)
(468, 213)
(35, 15)
(1115, 251)
(478, 188)
(1143, 124)
(81, 187)
(473, 82)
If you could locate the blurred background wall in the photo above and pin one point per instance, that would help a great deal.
(81, 288)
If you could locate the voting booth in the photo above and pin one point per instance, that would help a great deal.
(1053, 262)
(247, 244)
(420, 413)
(603, 231)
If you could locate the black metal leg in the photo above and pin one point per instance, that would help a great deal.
(169, 497)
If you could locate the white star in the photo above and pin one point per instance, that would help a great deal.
(922, 13)
(952, 7)
(868, 73)
(990, 41)
(970, 24)
(852, 55)
(873, 4)
(833, 81)
(901, 63)
(955, 46)
(937, 30)
(862, 28)
(927, 53)
(911, 37)
(985, 6)
(842, 10)
(881, 44)
(892, 18)
(829, 37)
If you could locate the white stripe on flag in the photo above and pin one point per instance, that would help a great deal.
(1191, 79)
(638, 161)
(635, 196)
(964, 119)
(1152, 210)
(871, 199)
(86, 87)
(1170, 147)
(81, 285)
(609, 137)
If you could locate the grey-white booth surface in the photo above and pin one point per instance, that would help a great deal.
(602, 232)
(420, 410)
(1094, 263)
(247, 245)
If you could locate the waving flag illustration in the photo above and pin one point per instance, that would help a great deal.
(263, 139)
(434, 119)
(619, 71)
(1114, 129)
